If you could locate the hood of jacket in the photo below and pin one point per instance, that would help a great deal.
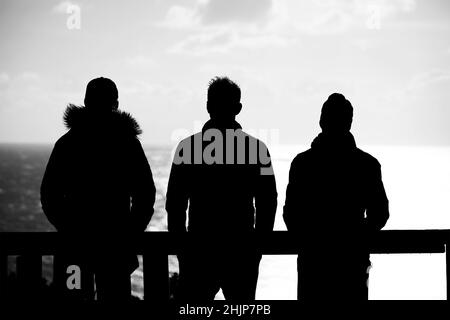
(82, 118)
(326, 142)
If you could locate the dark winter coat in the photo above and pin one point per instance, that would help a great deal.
(335, 193)
(98, 181)
(334, 200)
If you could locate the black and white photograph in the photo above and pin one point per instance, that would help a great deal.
(225, 159)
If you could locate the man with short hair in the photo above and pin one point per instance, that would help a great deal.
(335, 200)
(98, 188)
(226, 179)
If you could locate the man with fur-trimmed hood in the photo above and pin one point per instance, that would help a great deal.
(98, 188)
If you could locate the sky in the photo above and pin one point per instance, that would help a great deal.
(390, 58)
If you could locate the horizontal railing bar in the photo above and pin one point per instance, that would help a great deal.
(155, 246)
(277, 242)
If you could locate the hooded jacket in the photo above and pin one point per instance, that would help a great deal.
(335, 194)
(98, 180)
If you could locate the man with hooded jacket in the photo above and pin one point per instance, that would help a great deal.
(98, 188)
(335, 200)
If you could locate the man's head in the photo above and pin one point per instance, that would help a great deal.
(337, 114)
(101, 95)
(224, 99)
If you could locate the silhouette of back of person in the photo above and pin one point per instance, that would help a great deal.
(334, 200)
(98, 187)
(226, 179)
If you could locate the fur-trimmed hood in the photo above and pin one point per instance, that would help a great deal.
(79, 118)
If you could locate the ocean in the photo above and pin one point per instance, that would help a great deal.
(416, 178)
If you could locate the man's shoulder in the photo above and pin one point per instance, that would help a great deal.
(65, 139)
(303, 156)
(187, 141)
(367, 158)
(251, 138)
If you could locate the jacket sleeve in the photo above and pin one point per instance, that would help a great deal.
(377, 211)
(52, 188)
(143, 190)
(177, 197)
(266, 196)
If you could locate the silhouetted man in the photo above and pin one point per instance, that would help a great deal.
(98, 188)
(335, 199)
(225, 176)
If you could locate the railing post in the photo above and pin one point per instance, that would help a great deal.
(29, 275)
(447, 267)
(156, 277)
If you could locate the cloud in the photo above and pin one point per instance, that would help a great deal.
(426, 85)
(376, 12)
(28, 76)
(4, 78)
(222, 41)
(216, 12)
(31, 106)
(63, 7)
(202, 43)
(140, 61)
(241, 11)
(157, 91)
(179, 17)
(219, 26)
(21, 90)
(336, 16)
(429, 78)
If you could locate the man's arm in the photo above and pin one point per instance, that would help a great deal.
(177, 198)
(266, 196)
(290, 210)
(377, 212)
(52, 188)
(143, 190)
